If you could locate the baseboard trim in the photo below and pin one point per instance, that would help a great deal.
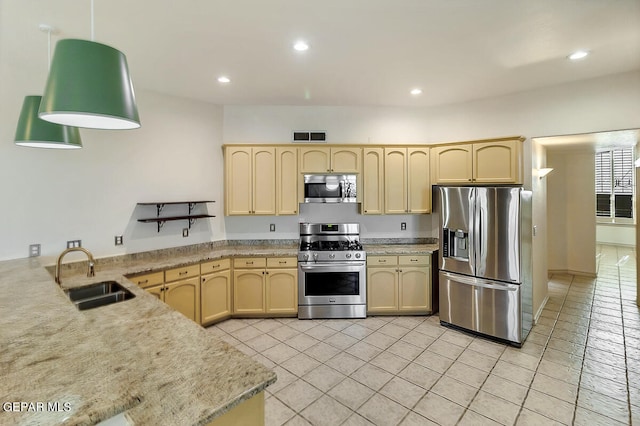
(536, 317)
(571, 272)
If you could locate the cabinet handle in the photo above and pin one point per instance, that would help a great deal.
(249, 263)
(282, 262)
(183, 273)
(382, 261)
(143, 282)
(400, 270)
(262, 272)
(267, 272)
(413, 260)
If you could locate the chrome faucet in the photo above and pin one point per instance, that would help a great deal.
(90, 266)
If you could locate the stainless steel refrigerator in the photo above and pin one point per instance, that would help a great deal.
(485, 261)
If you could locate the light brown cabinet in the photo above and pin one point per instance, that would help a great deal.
(487, 162)
(330, 160)
(407, 186)
(399, 284)
(373, 181)
(265, 286)
(250, 180)
(215, 291)
(177, 287)
(286, 181)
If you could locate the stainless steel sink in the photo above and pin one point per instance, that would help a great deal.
(99, 294)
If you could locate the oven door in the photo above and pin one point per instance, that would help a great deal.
(332, 283)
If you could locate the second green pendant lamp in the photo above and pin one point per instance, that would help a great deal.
(89, 86)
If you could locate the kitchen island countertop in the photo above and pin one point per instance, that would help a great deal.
(137, 356)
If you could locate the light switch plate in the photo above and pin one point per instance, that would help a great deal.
(118, 240)
(403, 226)
(185, 232)
(272, 227)
(34, 250)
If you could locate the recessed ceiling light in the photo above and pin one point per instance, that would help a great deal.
(301, 46)
(416, 92)
(578, 54)
(223, 79)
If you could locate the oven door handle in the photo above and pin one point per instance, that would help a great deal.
(315, 265)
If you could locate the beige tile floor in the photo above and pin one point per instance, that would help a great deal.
(580, 364)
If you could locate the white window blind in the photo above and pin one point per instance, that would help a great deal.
(614, 184)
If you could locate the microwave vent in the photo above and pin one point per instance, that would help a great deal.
(309, 136)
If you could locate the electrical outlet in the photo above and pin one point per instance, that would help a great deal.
(34, 250)
(403, 226)
(118, 240)
(185, 232)
(74, 243)
(272, 227)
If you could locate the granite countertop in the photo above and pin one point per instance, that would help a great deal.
(128, 356)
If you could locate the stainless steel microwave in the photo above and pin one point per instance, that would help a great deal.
(329, 188)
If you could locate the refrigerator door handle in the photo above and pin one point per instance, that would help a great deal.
(478, 282)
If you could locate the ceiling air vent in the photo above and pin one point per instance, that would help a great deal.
(308, 136)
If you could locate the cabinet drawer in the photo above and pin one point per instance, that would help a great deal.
(250, 262)
(148, 280)
(181, 273)
(419, 260)
(382, 260)
(282, 262)
(214, 266)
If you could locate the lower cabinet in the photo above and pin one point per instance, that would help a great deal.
(215, 291)
(399, 284)
(265, 286)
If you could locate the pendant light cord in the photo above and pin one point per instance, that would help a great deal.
(92, 23)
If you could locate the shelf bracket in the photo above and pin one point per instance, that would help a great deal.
(191, 207)
(159, 208)
(191, 222)
(161, 224)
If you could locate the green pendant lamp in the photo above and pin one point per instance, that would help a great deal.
(36, 133)
(89, 86)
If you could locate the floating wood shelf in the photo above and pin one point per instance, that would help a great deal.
(161, 220)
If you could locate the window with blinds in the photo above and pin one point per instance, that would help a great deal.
(614, 184)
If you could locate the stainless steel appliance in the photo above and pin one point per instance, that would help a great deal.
(485, 261)
(329, 188)
(332, 274)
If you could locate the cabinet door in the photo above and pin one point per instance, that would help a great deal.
(452, 164)
(382, 290)
(415, 289)
(346, 160)
(281, 289)
(238, 181)
(315, 160)
(418, 180)
(497, 162)
(215, 297)
(264, 180)
(287, 180)
(184, 297)
(157, 291)
(248, 291)
(395, 180)
(373, 181)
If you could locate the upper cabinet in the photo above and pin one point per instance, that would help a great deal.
(250, 186)
(373, 181)
(330, 160)
(489, 162)
(287, 180)
(407, 186)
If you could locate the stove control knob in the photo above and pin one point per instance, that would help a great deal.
(357, 255)
(315, 256)
(348, 255)
(306, 257)
(332, 256)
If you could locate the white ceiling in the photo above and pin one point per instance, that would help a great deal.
(363, 52)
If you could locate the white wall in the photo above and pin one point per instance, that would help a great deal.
(52, 196)
(571, 212)
(616, 234)
(540, 243)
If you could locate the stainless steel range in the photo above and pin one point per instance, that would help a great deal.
(332, 275)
